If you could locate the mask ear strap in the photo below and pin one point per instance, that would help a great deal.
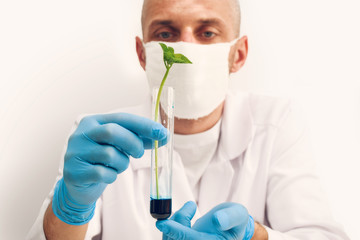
(234, 41)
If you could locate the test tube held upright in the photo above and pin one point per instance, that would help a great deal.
(162, 154)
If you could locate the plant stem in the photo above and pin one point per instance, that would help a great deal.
(156, 119)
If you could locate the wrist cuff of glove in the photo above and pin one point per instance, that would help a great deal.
(69, 214)
(250, 228)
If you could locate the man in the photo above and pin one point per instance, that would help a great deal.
(246, 159)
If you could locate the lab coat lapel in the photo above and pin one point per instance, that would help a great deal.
(237, 130)
(215, 185)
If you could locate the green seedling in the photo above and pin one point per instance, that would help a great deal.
(169, 59)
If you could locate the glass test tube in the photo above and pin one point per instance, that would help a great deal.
(162, 154)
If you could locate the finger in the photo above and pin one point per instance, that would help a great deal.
(103, 174)
(117, 136)
(108, 156)
(185, 214)
(141, 126)
(175, 230)
(87, 173)
(233, 216)
(149, 143)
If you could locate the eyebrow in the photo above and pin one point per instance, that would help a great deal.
(204, 21)
(210, 21)
(160, 22)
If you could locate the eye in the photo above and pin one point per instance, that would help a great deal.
(164, 35)
(208, 34)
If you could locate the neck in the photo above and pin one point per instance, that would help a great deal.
(192, 126)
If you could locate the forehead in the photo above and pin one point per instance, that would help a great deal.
(187, 12)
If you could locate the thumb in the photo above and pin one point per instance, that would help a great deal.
(233, 216)
(185, 214)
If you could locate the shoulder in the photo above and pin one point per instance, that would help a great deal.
(263, 109)
(269, 110)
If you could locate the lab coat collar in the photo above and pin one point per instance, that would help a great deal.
(237, 129)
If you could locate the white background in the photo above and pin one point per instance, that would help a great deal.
(59, 59)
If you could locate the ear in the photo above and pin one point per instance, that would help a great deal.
(140, 50)
(240, 50)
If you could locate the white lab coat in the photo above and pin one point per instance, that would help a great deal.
(263, 161)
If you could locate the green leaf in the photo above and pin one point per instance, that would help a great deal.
(164, 47)
(168, 56)
(171, 57)
(179, 58)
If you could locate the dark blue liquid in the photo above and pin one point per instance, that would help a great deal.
(160, 208)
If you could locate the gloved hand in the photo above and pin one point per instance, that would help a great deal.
(97, 151)
(225, 221)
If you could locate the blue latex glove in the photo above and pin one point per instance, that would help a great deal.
(225, 221)
(97, 151)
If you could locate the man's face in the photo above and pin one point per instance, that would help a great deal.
(197, 21)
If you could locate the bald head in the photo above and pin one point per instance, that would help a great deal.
(230, 7)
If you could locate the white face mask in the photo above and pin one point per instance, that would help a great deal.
(199, 87)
